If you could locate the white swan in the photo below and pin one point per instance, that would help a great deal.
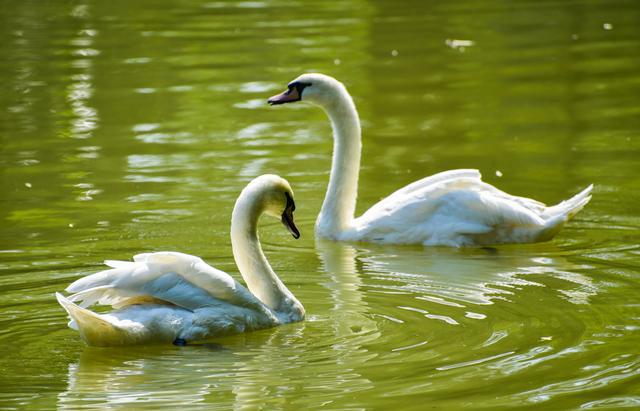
(174, 297)
(453, 208)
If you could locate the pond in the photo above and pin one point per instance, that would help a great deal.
(132, 126)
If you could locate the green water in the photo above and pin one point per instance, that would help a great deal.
(133, 126)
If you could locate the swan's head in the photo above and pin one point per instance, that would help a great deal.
(272, 195)
(315, 88)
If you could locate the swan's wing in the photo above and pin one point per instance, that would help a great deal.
(445, 207)
(163, 277)
(438, 178)
(167, 289)
(425, 183)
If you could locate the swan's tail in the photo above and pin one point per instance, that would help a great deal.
(95, 329)
(570, 207)
(555, 216)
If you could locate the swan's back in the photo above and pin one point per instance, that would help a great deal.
(456, 208)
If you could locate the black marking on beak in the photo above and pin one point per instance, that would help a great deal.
(287, 217)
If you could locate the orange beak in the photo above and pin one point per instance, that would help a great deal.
(288, 96)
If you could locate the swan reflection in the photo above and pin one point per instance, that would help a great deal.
(482, 276)
(115, 378)
(426, 291)
(350, 310)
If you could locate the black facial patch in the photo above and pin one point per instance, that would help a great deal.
(291, 205)
(299, 86)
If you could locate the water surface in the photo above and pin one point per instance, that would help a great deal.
(133, 126)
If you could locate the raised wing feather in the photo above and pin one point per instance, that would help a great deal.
(429, 182)
(170, 277)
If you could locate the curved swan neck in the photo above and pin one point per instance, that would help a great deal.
(339, 204)
(260, 278)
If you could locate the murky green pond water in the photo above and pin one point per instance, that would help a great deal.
(132, 126)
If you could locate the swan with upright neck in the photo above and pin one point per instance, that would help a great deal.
(173, 297)
(452, 208)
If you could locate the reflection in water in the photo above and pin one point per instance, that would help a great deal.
(453, 278)
(249, 371)
(153, 376)
(474, 276)
(350, 325)
(465, 310)
(350, 310)
(81, 89)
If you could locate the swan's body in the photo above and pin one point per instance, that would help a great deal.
(454, 208)
(168, 296)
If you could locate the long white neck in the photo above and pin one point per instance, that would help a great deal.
(260, 278)
(339, 204)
